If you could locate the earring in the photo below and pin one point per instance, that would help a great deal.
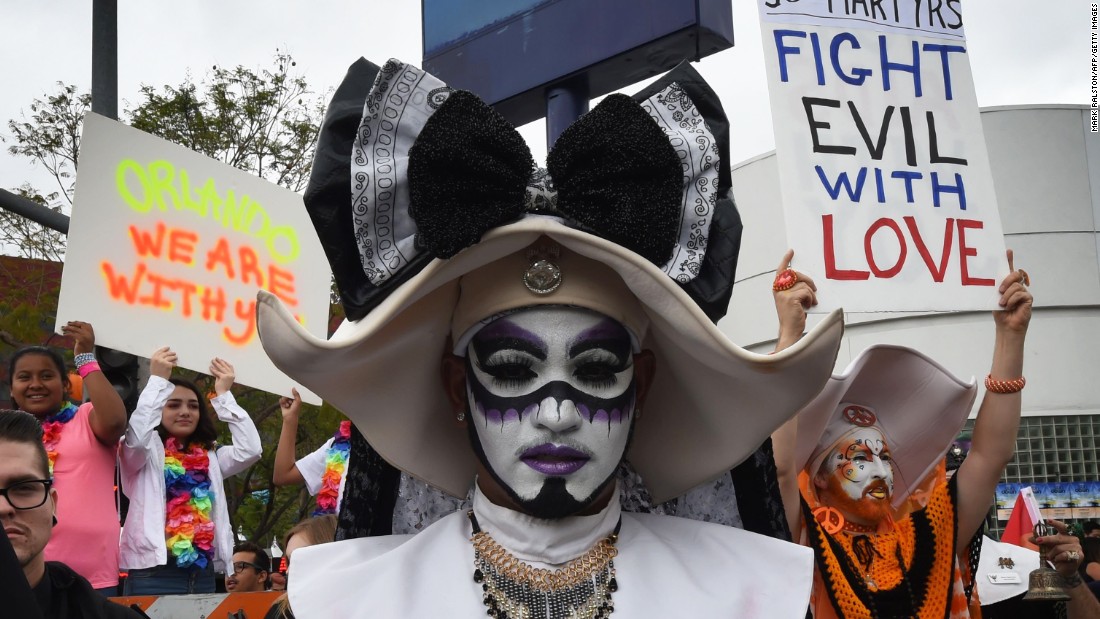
(461, 416)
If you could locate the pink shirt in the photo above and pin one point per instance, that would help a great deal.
(87, 531)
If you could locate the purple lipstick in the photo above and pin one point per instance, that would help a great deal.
(554, 460)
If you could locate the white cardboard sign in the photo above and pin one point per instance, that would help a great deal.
(885, 180)
(168, 247)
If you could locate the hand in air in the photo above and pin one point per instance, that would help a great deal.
(291, 406)
(794, 293)
(223, 374)
(83, 333)
(162, 361)
(1015, 299)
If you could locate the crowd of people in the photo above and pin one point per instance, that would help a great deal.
(539, 373)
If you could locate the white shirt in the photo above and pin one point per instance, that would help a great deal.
(666, 567)
(312, 468)
(142, 458)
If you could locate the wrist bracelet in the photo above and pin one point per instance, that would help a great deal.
(83, 359)
(88, 368)
(1070, 582)
(1004, 386)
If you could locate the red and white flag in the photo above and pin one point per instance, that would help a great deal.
(1021, 524)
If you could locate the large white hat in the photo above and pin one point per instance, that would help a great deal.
(711, 403)
(917, 405)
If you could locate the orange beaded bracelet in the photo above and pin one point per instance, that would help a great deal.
(1004, 386)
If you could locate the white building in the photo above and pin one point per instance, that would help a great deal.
(1046, 169)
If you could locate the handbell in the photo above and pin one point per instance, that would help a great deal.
(1044, 583)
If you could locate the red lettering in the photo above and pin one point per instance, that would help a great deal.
(220, 255)
(145, 244)
(119, 288)
(181, 246)
(948, 231)
(966, 251)
(213, 304)
(188, 289)
(875, 227)
(281, 284)
(246, 313)
(831, 272)
(249, 262)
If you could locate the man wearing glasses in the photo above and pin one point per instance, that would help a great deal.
(249, 569)
(28, 504)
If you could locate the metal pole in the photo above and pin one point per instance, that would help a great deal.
(105, 58)
(565, 102)
(34, 211)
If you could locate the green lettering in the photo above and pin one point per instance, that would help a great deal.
(291, 241)
(187, 196)
(162, 174)
(129, 165)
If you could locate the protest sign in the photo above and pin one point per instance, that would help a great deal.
(169, 248)
(885, 180)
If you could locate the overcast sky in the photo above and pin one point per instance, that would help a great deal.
(1022, 52)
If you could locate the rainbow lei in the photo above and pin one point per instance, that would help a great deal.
(51, 430)
(336, 462)
(188, 528)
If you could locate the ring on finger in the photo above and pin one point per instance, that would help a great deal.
(1073, 555)
(785, 280)
(1024, 277)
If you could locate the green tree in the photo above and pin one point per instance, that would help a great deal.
(264, 121)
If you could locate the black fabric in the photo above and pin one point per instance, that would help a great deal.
(618, 177)
(72, 597)
(468, 173)
(328, 196)
(370, 492)
(712, 287)
(14, 591)
(756, 484)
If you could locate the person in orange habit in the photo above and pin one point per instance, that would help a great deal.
(873, 438)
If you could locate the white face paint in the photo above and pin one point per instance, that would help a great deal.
(551, 391)
(860, 478)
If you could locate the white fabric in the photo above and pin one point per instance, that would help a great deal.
(678, 117)
(312, 468)
(400, 102)
(142, 463)
(666, 567)
(994, 582)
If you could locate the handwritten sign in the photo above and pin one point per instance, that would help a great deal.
(168, 248)
(885, 180)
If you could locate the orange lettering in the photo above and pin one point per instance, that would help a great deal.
(281, 284)
(213, 304)
(220, 254)
(249, 260)
(145, 244)
(156, 299)
(181, 246)
(119, 288)
(248, 314)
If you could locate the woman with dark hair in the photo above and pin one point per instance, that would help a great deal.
(81, 441)
(177, 532)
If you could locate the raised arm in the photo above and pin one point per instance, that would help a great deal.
(108, 415)
(246, 448)
(285, 473)
(998, 419)
(793, 293)
(142, 428)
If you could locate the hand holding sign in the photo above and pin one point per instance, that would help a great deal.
(162, 362)
(223, 374)
(291, 406)
(791, 303)
(84, 335)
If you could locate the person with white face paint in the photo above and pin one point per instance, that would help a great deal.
(573, 330)
(874, 504)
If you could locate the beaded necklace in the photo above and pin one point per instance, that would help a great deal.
(188, 528)
(513, 590)
(52, 426)
(336, 463)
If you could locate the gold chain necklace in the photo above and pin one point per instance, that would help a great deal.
(513, 589)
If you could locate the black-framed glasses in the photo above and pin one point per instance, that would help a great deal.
(27, 494)
(240, 566)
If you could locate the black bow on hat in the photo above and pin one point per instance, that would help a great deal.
(407, 170)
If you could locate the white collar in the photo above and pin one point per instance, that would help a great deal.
(537, 540)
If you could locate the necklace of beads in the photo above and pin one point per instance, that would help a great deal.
(52, 426)
(513, 589)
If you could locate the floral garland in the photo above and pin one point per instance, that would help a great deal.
(188, 527)
(336, 463)
(52, 426)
